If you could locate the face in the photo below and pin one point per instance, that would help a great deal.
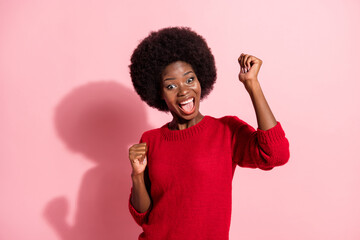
(181, 90)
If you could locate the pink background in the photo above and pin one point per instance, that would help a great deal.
(68, 113)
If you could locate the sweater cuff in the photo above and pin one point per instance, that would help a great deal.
(272, 135)
(138, 217)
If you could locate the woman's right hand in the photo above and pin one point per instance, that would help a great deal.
(137, 156)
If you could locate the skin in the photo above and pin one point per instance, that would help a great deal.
(179, 83)
(249, 69)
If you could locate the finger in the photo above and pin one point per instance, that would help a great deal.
(138, 146)
(144, 146)
(143, 161)
(247, 61)
(138, 157)
(134, 151)
(241, 70)
(138, 150)
(134, 161)
(240, 60)
(243, 61)
(139, 161)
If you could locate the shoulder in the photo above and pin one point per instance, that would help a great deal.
(230, 120)
(150, 134)
(235, 124)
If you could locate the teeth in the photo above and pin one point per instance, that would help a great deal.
(187, 101)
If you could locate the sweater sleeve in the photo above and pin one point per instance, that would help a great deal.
(258, 149)
(140, 218)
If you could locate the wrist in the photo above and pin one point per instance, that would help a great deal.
(252, 87)
(139, 177)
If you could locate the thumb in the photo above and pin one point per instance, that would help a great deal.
(143, 161)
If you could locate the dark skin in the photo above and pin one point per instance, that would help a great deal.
(249, 69)
(180, 85)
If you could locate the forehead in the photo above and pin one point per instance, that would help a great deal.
(176, 68)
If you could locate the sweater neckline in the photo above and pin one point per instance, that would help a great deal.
(173, 135)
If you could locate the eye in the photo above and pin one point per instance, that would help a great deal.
(190, 80)
(170, 86)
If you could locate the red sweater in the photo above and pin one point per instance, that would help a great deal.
(191, 174)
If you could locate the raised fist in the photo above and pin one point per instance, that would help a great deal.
(137, 156)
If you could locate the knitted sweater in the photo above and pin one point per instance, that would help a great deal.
(191, 174)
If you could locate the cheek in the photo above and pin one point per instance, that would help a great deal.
(197, 87)
(164, 94)
(168, 97)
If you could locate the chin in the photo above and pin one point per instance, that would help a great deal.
(188, 117)
(186, 111)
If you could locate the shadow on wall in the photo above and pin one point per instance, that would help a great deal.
(99, 120)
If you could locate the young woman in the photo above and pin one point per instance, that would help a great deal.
(182, 172)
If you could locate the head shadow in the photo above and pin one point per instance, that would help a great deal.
(99, 120)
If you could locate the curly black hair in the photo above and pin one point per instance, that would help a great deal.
(162, 48)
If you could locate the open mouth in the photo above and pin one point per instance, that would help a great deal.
(187, 106)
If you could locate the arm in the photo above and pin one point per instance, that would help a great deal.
(264, 116)
(139, 196)
(139, 200)
(250, 67)
(258, 149)
(267, 147)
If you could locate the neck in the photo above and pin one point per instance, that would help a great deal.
(180, 124)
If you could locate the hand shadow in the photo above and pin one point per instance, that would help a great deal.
(99, 120)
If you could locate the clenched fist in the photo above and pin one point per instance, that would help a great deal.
(137, 156)
(249, 69)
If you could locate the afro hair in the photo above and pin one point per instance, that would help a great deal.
(162, 48)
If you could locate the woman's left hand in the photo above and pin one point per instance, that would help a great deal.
(249, 69)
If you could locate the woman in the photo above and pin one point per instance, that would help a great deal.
(182, 172)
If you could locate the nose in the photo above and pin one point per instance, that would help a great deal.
(183, 90)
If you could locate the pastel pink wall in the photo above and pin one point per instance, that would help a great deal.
(68, 113)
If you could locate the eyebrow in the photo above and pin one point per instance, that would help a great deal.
(175, 78)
